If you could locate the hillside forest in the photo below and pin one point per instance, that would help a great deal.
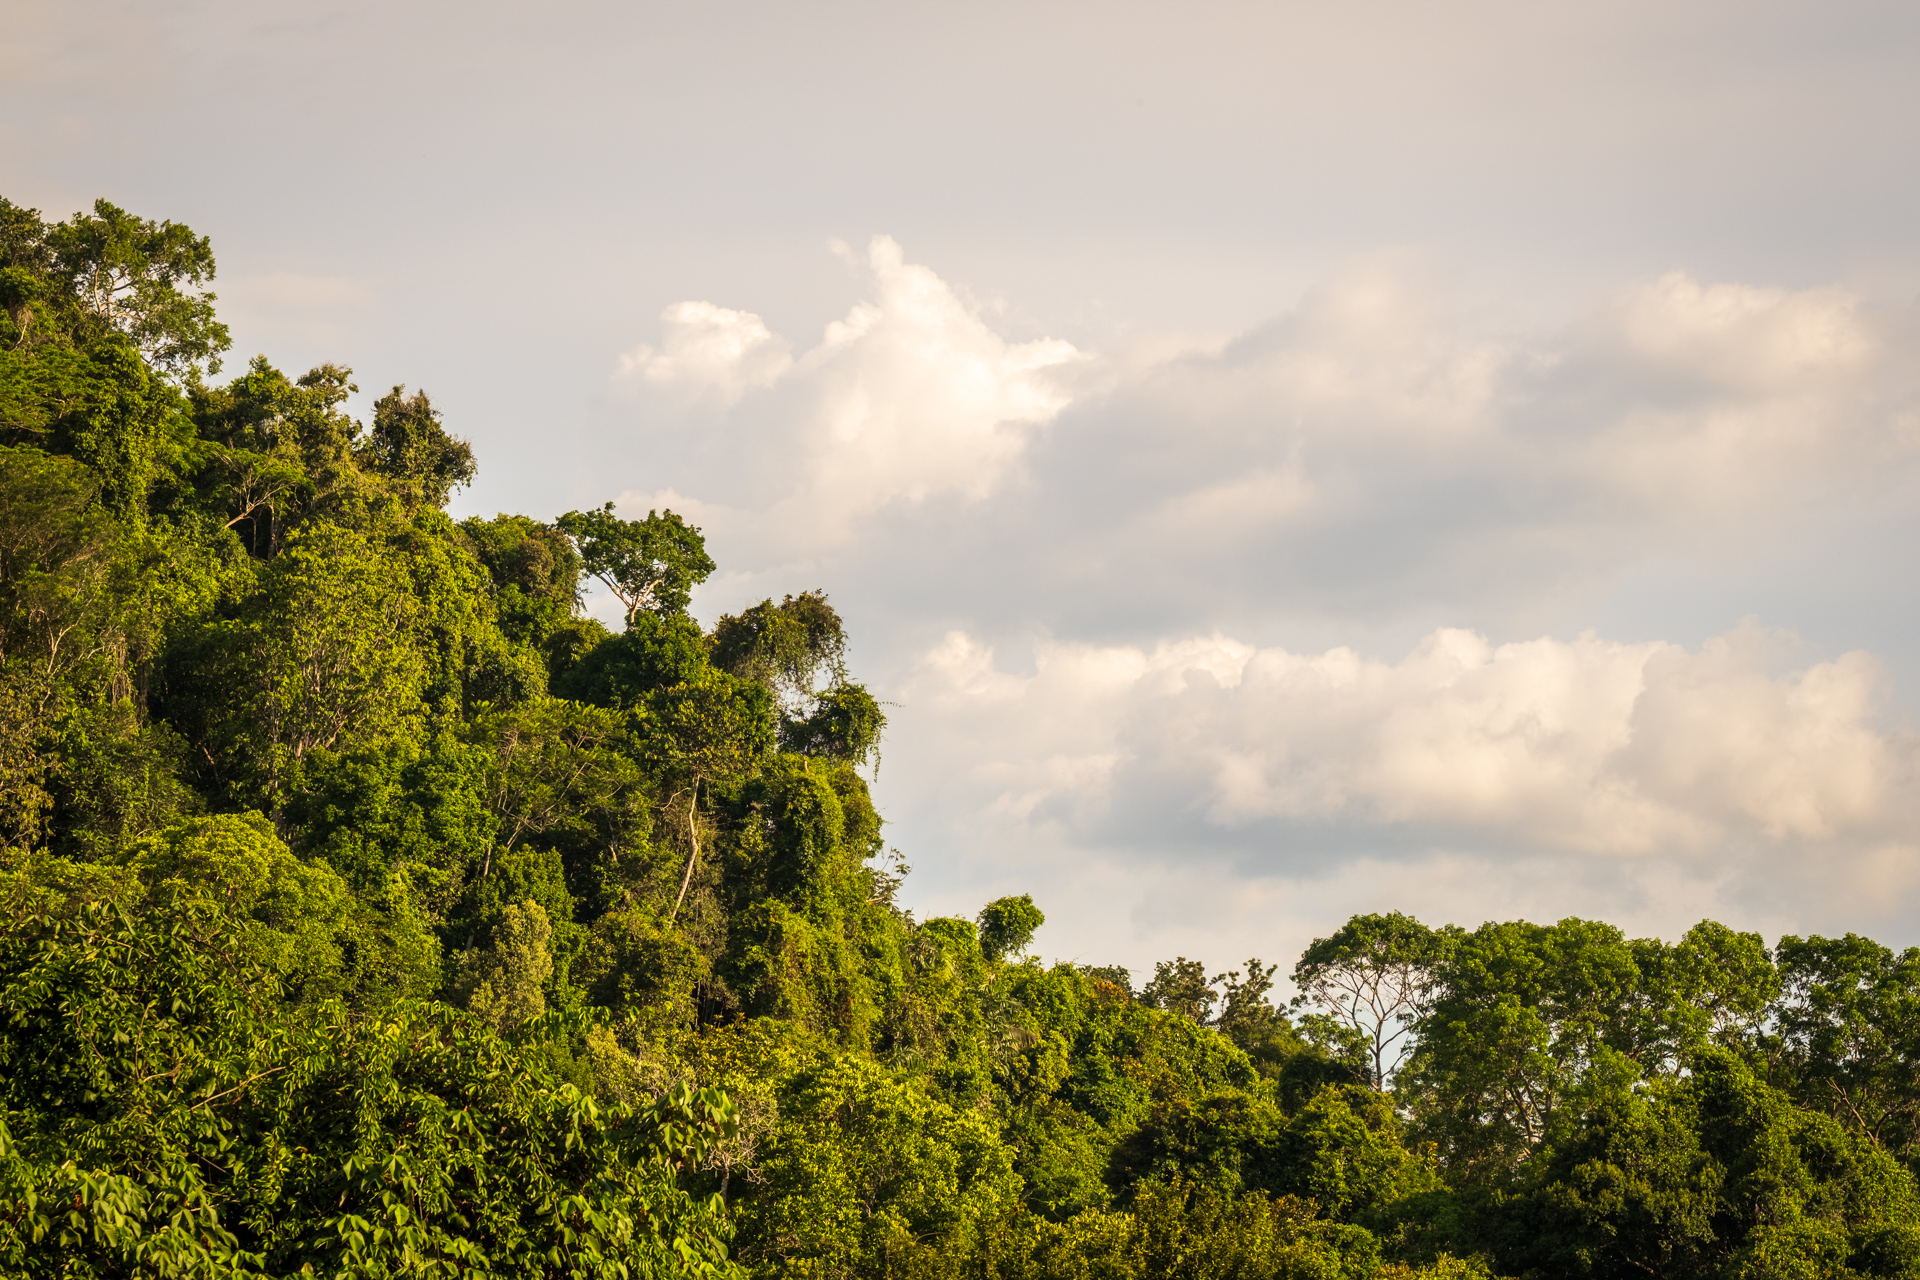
(370, 910)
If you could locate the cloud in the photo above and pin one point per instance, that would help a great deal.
(1131, 609)
(711, 349)
(1286, 763)
(1742, 338)
(1365, 454)
(916, 394)
(911, 395)
(1370, 458)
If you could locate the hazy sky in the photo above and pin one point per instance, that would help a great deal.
(1277, 460)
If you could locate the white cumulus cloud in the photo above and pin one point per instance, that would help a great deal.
(1726, 757)
(711, 349)
(911, 395)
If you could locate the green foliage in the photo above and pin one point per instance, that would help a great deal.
(1846, 1040)
(105, 408)
(536, 578)
(100, 317)
(417, 809)
(1522, 1017)
(650, 565)
(273, 452)
(1345, 1151)
(295, 920)
(115, 779)
(1249, 1019)
(1714, 1174)
(413, 453)
(57, 597)
(290, 915)
(1007, 926)
(863, 1167)
(503, 985)
(1181, 986)
(489, 927)
(843, 723)
(1221, 1139)
(109, 274)
(1370, 978)
(320, 656)
(566, 778)
(784, 646)
(655, 652)
(162, 1116)
(634, 963)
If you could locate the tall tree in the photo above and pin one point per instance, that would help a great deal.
(111, 273)
(1007, 926)
(536, 574)
(322, 655)
(276, 451)
(1521, 1018)
(1181, 986)
(704, 731)
(59, 595)
(652, 564)
(785, 646)
(421, 461)
(1371, 977)
(1847, 1035)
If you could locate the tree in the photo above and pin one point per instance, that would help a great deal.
(227, 1135)
(419, 459)
(1181, 986)
(274, 452)
(57, 613)
(652, 564)
(1344, 1151)
(788, 647)
(564, 775)
(708, 729)
(784, 646)
(1521, 1018)
(1371, 977)
(1007, 926)
(332, 644)
(845, 723)
(322, 655)
(1247, 1017)
(289, 917)
(101, 321)
(110, 273)
(866, 1173)
(1711, 1174)
(503, 984)
(536, 574)
(655, 653)
(1847, 1035)
(1713, 986)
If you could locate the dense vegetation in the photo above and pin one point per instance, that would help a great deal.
(371, 911)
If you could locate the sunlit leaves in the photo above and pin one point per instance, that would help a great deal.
(651, 564)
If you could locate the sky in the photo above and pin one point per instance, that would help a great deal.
(1276, 460)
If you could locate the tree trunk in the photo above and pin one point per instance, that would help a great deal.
(693, 835)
